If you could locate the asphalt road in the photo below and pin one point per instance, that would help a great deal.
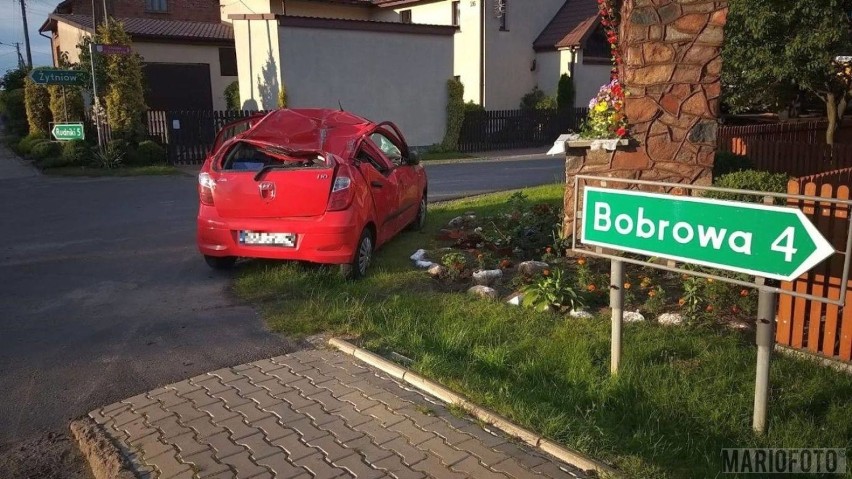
(104, 295)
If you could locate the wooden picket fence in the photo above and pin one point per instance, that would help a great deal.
(812, 326)
(797, 159)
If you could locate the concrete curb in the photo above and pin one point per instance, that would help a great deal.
(105, 459)
(488, 159)
(566, 455)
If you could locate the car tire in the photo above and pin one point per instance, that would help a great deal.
(357, 269)
(420, 220)
(220, 262)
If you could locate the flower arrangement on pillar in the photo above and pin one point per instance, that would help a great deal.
(606, 118)
(610, 20)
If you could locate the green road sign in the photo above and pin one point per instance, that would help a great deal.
(68, 131)
(52, 76)
(761, 240)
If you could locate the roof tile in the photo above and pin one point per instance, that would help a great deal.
(155, 28)
(570, 26)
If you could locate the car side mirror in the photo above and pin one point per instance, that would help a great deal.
(413, 158)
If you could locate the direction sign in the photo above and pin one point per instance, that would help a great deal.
(53, 76)
(760, 240)
(68, 131)
(112, 49)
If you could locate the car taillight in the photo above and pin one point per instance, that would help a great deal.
(342, 191)
(206, 184)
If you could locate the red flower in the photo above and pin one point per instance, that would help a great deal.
(621, 131)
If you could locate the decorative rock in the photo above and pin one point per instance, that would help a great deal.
(670, 319)
(456, 222)
(436, 270)
(486, 277)
(517, 299)
(532, 268)
(483, 292)
(580, 314)
(419, 255)
(739, 325)
(424, 264)
(633, 317)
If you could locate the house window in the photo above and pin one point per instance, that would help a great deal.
(228, 62)
(456, 14)
(156, 6)
(504, 10)
(405, 16)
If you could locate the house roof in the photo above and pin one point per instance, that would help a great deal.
(570, 27)
(154, 29)
(348, 24)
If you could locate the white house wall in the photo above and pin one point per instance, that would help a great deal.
(381, 76)
(258, 63)
(548, 70)
(230, 7)
(509, 54)
(589, 78)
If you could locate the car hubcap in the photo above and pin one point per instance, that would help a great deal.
(364, 253)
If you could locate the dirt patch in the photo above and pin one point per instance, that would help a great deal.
(47, 456)
(105, 459)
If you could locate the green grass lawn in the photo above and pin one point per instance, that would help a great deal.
(683, 394)
(154, 170)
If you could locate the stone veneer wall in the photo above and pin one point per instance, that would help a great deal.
(671, 73)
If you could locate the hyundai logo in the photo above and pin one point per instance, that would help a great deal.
(267, 190)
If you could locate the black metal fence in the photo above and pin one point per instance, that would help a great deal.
(189, 135)
(508, 129)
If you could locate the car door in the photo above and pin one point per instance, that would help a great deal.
(410, 176)
(388, 141)
(381, 179)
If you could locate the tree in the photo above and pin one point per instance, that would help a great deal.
(455, 114)
(13, 79)
(120, 82)
(565, 93)
(282, 97)
(232, 95)
(37, 101)
(773, 48)
(66, 102)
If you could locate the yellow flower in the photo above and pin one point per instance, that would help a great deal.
(601, 107)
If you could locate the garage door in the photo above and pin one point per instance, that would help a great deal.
(178, 86)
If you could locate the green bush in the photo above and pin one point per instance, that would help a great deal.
(455, 114)
(282, 97)
(147, 153)
(14, 111)
(473, 107)
(750, 180)
(66, 103)
(27, 142)
(727, 162)
(45, 149)
(232, 95)
(537, 100)
(565, 93)
(37, 102)
(76, 152)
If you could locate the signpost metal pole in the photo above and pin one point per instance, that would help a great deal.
(95, 101)
(765, 339)
(616, 302)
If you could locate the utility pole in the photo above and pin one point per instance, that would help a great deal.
(20, 58)
(26, 33)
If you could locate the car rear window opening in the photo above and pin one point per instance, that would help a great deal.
(248, 157)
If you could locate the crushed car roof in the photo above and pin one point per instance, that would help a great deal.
(322, 130)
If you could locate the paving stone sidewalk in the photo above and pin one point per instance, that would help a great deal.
(315, 413)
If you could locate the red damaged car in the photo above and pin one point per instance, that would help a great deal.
(323, 186)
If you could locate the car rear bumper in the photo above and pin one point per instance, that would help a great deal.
(329, 239)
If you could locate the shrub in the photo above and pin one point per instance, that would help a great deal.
(282, 97)
(147, 153)
(66, 103)
(565, 93)
(37, 101)
(232, 95)
(14, 112)
(473, 107)
(45, 149)
(75, 152)
(125, 93)
(749, 180)
(26, 144)
(727, 162)
(455, 114)
(552, 290)
(112, 156)
(536, 99)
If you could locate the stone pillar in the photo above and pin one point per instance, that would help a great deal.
(671, 75)
(672, 63)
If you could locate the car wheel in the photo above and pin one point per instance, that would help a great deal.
(419, 220)
(357, 269)
(220, 262)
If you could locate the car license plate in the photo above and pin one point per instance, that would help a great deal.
(287, 240)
